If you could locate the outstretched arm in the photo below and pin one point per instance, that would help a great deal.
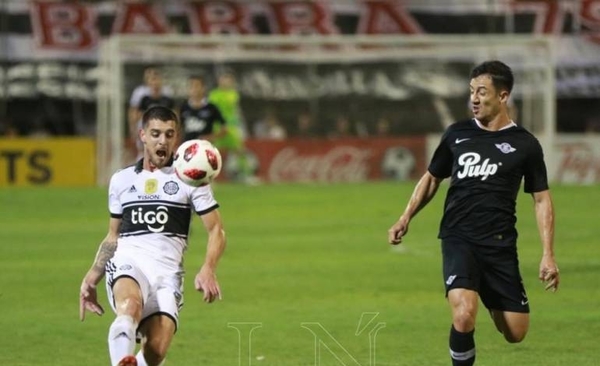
(88, 299)
(544, 214)
(206, 279)
(422, 194)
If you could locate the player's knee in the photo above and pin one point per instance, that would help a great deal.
(155, 352)
(514, 337)
(464, 319)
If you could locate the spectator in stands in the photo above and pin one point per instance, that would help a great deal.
(269, 127)
(305, 127)
(342, 128)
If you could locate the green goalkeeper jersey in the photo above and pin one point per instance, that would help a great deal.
(227, 100)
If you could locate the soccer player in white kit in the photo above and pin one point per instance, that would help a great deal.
(142, 254)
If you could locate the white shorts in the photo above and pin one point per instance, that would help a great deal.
(162, 288)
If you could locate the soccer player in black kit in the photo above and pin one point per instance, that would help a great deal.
(486, 158)
(198, 115)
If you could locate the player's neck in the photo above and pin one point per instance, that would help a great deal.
(197, 101)
(498, 123)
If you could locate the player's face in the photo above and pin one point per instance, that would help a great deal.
(159, 140)
(196, 88)
(486, 101)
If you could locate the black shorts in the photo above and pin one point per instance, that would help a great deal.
(492, 271)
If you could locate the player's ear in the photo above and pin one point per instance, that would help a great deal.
(142, 135)
(503, 95)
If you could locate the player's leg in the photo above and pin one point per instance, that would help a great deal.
(463, 304)
(512, 325)
(160, 320)
(502, 292)
(127, 297)
(461, 279)
(158, 333)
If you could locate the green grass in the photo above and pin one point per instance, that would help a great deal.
(296, 254)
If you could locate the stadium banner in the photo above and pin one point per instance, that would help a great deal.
(338, 160)
(61, 162)
(576, 159)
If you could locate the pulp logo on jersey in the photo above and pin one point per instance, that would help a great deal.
(505, 147)
(472, 168)
(151, 218)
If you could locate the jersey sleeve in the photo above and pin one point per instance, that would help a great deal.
(441, 162)
(114, 202)
(203, 200)
(536, 176)
(136, 96)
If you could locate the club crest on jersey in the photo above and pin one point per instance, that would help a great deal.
(472, 168)
(151, 186)
(505, 147)
(171, 187)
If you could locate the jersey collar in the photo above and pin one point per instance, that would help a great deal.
(139, 166)
(510, 125)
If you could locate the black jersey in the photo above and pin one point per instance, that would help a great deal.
(199, 121)
(486, 169)
(149, 101)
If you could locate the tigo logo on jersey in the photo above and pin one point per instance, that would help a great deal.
(472, 168)
(151, 218)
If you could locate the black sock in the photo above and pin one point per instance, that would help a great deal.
(462, 348)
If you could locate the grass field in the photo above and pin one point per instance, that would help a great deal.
(303, 262)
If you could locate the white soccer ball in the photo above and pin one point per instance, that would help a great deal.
(197, 162)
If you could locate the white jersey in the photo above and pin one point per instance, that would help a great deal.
(143, 90)
(155, 209)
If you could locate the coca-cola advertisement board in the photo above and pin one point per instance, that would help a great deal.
(340, 160)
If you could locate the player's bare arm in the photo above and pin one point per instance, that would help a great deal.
(423, 193)
(544, 212)
(88, 299)
(206, 279)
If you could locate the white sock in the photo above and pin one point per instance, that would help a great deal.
(141, 361)
(121, 338)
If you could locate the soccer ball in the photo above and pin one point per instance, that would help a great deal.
(197, 162)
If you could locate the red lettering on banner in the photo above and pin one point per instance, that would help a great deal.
(63, 25)
(223, 17)
(139, 18)
(590, 18)
(549, 16)
(385, 17)
(301, 17)
(340, 164)
(578, 164)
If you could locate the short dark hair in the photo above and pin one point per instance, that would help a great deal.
(198, 77)
(160, 113)
(501, 74)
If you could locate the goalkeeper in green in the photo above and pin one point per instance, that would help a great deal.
(226, 97)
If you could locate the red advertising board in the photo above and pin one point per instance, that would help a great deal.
(340, 160)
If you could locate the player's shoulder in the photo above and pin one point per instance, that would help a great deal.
(464, 124)
(126, 174)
